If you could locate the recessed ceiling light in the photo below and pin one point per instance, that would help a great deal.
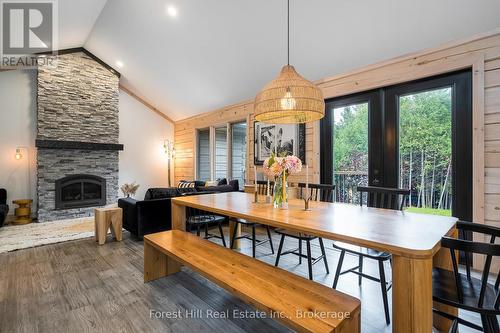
(172, 11)
(119, 63)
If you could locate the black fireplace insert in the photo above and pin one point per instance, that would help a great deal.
(79, 191)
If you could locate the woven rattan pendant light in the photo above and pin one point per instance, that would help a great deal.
(289, 99)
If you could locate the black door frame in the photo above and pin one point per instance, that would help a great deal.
(383, 144)
(375, 141)
(461, 122)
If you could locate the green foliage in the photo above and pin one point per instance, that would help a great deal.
(424, 134)
(271, 159)
(430, 211)
(425, 124)
(350, 135)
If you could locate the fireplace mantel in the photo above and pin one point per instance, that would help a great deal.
(59, 144)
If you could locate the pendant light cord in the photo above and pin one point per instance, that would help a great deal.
(288, 32)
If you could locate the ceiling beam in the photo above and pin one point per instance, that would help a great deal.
(145, 103)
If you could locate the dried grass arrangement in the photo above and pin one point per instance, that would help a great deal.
(129, 189)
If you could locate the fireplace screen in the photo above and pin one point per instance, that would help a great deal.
(80, 191)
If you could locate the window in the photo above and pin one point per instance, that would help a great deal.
(203, 163)
(221, 153)
(239, 152)
(415, 135)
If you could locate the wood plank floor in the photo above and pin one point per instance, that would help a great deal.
(79, 286)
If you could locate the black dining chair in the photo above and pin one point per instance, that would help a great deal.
(317, 192)
(463, 291)
(262, 190)
(197, 219)
(378, 197)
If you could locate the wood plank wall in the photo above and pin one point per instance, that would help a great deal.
(185, 139)
(481, 53)
(492, 140)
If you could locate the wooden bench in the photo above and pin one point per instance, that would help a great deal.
(302, 305)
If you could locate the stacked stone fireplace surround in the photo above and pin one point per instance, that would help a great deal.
(77, 106)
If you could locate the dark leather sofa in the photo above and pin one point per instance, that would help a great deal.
(4, 208)
(153, 214)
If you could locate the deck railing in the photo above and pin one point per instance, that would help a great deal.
(346, 183)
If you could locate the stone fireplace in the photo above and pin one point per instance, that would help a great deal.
(79, 191)
(77, 136)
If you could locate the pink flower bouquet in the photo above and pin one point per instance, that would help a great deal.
(280, 168)
(274, 166)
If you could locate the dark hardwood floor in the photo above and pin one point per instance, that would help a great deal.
(79, 286)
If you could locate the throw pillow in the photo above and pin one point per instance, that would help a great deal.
(211, 183)
(185, 184)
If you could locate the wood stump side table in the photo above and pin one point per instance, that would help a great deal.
(23, 212)
(105, 219)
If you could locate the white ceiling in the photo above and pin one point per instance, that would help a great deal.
(219, 52)
(76, 19)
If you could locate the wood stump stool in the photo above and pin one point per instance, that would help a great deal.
(105, 219)
(23, 212)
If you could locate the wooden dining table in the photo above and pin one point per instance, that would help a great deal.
(412, 239)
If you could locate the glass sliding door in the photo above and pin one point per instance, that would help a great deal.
(239, 152)
(432, 153)
(425, 133)
(345, 145)
(415, 135)
(350, 150)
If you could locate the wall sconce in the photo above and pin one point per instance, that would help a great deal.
(18, 155)
(170, 152)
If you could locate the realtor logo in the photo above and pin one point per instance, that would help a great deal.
(27, 27)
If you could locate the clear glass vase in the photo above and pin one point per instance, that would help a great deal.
(280, 195)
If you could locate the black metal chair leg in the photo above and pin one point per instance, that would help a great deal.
(309, 259)
(360, 278)
(253, 240)
(198, 230)
(490, 324)
(222, 235)
(206, 230)
(494, 323)
(383, 286)
(486, 324)
(300, 251)
(339, 268)
(454, 327)
(270, 239)
(324, 254)
(280, 247)
(236, 225)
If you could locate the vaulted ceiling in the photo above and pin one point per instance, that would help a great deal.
(219, 52)
(75, 20)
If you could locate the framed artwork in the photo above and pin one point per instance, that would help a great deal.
(289, 139)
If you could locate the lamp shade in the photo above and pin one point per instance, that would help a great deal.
(289, 99)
